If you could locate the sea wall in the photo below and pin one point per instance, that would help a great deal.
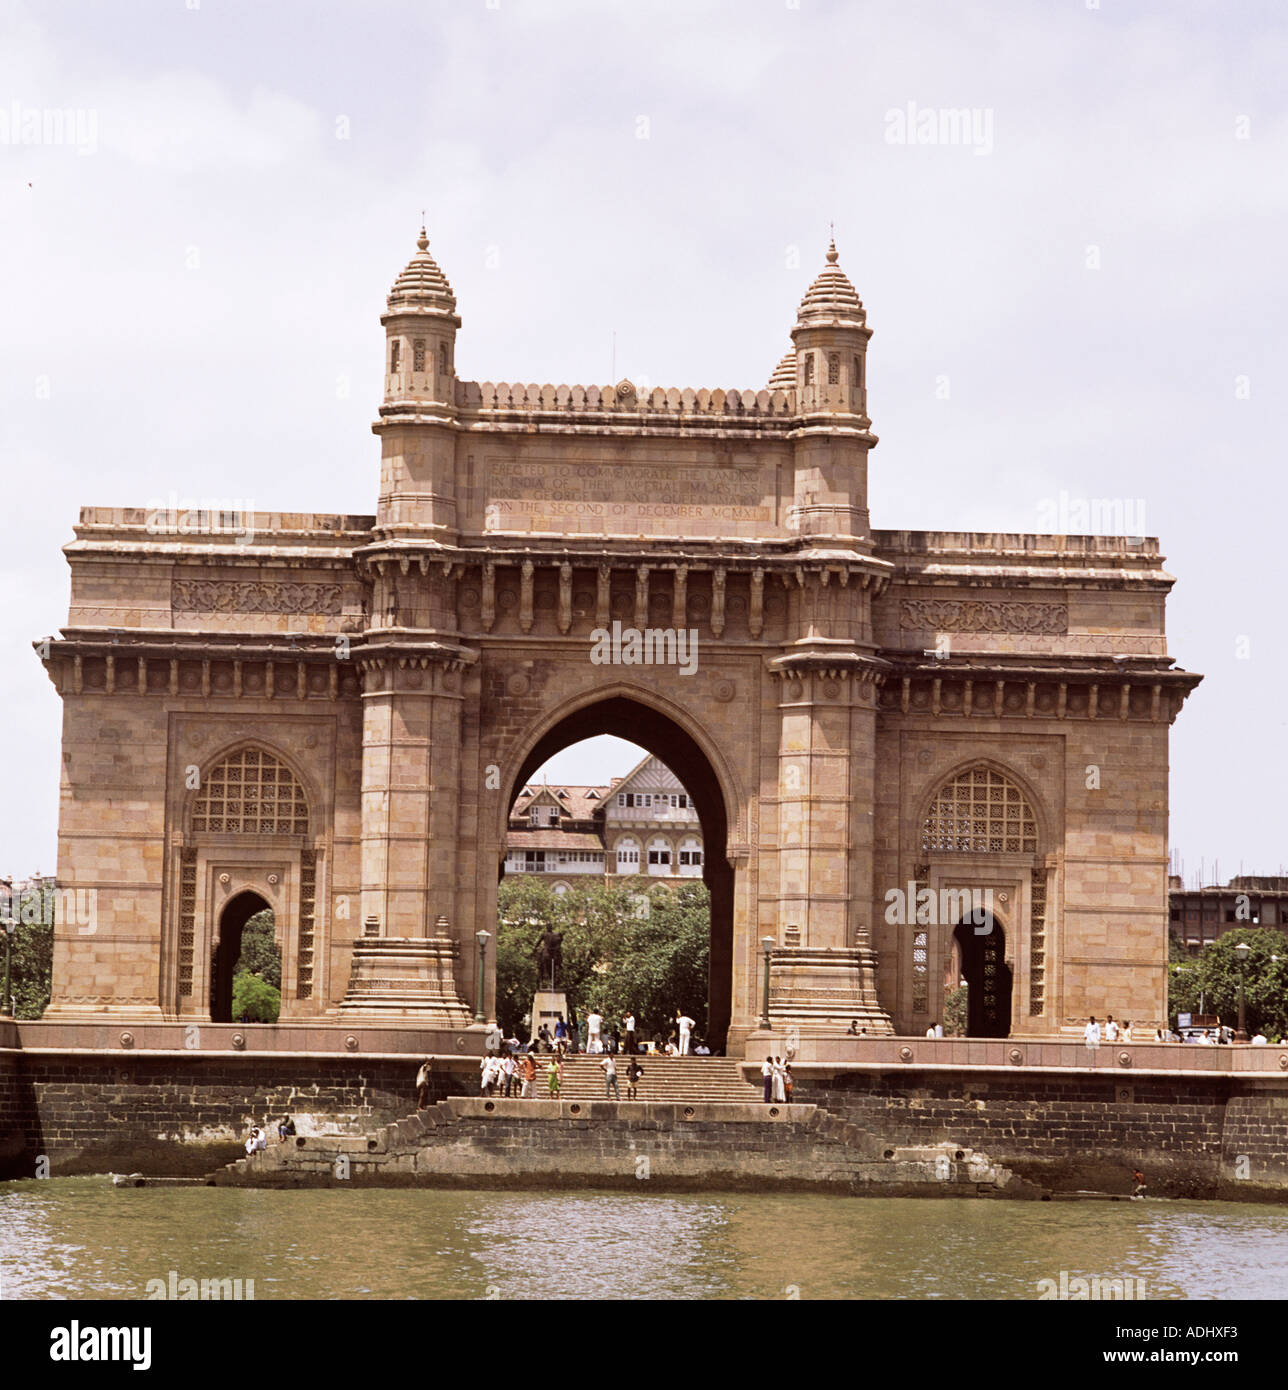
(185, 1113)
(1192, 1135)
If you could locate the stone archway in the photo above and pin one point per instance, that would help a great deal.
(661, 735)
(980, 946)
(232, 922)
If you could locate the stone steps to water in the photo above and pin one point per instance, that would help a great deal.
(665, 1079)
(699, 1145)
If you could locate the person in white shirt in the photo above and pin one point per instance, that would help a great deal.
(628, 1027)
(1091, 1036)
(594, 1027)
(686, 1031)
(780, 1087)
(1259, 1040)
(1111, 1029)
(936, 1030)
(767, 1075)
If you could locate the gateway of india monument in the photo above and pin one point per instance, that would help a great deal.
(916, 756)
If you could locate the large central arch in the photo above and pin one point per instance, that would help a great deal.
(643, 724)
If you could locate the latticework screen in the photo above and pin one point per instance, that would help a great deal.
(980, 812)
(251, 793)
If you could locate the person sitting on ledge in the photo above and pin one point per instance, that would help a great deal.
(854, 1028)
(285, 1129)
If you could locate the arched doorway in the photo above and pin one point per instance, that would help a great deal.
(237, 912)
(651, 730)
(981, 948)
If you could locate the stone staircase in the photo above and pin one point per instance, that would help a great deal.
(590, 1144)
(666, 1079)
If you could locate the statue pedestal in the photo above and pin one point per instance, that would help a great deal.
(547, 1005)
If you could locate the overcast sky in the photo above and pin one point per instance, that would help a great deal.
(1084, 294)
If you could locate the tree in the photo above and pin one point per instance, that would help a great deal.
(956, 1011)
(627, 943)
(255, 1000)
(31, 965)
(259, 951)
(1209, 983)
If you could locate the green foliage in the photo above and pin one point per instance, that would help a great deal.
(259, 952)
(1209, 982)
(255, 1000)
(31, 966)
(956, 1011)
(628, 943)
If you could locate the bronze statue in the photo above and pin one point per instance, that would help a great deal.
(549, 954)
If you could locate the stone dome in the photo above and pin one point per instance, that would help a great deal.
(784, 377)
(422, 284)
(831, 297)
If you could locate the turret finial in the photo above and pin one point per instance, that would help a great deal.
(831, 250)
(422, 241)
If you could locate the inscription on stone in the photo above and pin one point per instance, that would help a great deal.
(594, 491)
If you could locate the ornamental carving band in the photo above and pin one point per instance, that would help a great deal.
(982, 615)
(254, 596)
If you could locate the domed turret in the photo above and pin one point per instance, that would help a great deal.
(420, 330)
(831, 337)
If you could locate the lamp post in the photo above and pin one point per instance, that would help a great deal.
(1243, 951)
(10, 925)
(482, 937)
(766, 945)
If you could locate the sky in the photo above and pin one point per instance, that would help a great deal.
(1077, 291)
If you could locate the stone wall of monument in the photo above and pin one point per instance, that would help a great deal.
(1192, 1136)
(186, 1114)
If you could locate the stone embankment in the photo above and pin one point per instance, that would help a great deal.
(638, 1145)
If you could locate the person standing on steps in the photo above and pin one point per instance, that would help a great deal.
(422, 1083)
(554, 1076)
(529, 1074)
(1111, 1029)
(685, 1025)
(633, 1073)
(778, 1074)
(1091, 1036)
(609, 1067)
(767, 1075)
(628, 1027)
(787, 1082)
(594, 1031)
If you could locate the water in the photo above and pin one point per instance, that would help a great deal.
(82, 1238)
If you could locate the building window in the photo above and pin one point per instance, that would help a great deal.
(980, 812)
(251, 793)
(809, 369)
(394, 354)
(552, 815)
(659, 857)
(857, 378)
(534, 815)
(418, 355)
(690, 856)
(635, 799)
(834, 369)
(628, 857)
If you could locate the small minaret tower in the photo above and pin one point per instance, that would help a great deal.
(831, 337)
(420, 330)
